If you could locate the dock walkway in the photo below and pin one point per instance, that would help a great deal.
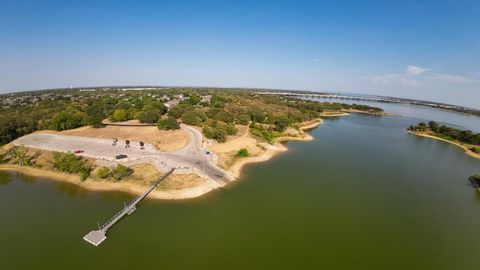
(98, 236)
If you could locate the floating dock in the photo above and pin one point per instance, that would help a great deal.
(98, 236)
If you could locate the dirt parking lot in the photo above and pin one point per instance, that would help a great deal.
(161, 139)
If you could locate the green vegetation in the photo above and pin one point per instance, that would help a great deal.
(242, 153)
(449, 133)
(168, 123)
(103, 172)
(18, 155)
(119, 115)
(68, 162)
(264, 133)
(219, 130)
(23, 113)
(476, 176)
(117, 173)
(120, 172)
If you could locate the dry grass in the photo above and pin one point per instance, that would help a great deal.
(162, 139)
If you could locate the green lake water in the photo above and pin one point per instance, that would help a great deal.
(363, 195)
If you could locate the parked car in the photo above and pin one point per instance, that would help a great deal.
(121, 156)
(78, 151)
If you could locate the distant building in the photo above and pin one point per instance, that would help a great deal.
(172, 103)
(206, 98)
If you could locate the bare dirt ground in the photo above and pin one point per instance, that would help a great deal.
(226, 151)
(163, 140)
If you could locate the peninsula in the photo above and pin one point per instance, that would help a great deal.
(464, 139)
(123, 139)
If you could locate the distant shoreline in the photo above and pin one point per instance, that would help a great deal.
(463, 147)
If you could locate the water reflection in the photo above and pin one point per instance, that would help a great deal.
(5, 178)
(71, 190)
(26, 179)
(476, 194)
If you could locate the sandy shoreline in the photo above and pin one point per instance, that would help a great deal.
(95, 185)
(271, 150)
(463, 147)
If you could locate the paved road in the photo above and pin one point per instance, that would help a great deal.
(189, 157)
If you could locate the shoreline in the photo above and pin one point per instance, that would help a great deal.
(463, 147)
(102, 186)
(271, 150)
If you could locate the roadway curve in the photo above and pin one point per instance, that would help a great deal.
(190, 158)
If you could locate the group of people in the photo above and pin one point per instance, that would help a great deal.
(127, 143)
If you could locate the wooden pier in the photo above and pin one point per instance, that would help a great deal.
(98, 236)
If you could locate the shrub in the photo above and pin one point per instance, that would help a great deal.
(120, 172)
(242, 153)
(68, 162)
(103, 172)
(168, 123)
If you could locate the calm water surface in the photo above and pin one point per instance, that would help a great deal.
(364, 195)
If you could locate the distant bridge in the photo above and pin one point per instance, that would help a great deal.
(96, 237)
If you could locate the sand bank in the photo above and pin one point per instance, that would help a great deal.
(465, 148)
(110, 185)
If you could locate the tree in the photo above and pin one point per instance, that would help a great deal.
(220, 136)
(194, 118)
(168, 123)
(71, 118)
(178, 111)
(257, 116)
(193, 99)
(224, 116)
(281, 124)
(149, 114)
(243, 119)
(119, 115)
(433, 126)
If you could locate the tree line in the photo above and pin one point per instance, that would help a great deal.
(450, 133)
(217, 117)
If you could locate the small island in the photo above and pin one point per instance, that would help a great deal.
(465, 139)
(123, 139)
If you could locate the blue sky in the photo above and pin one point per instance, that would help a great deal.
(417, 49)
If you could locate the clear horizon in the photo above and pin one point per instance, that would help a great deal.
(427, 50)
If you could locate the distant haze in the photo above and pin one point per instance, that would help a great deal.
(426, 50)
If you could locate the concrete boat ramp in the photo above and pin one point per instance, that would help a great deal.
(98, 236)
